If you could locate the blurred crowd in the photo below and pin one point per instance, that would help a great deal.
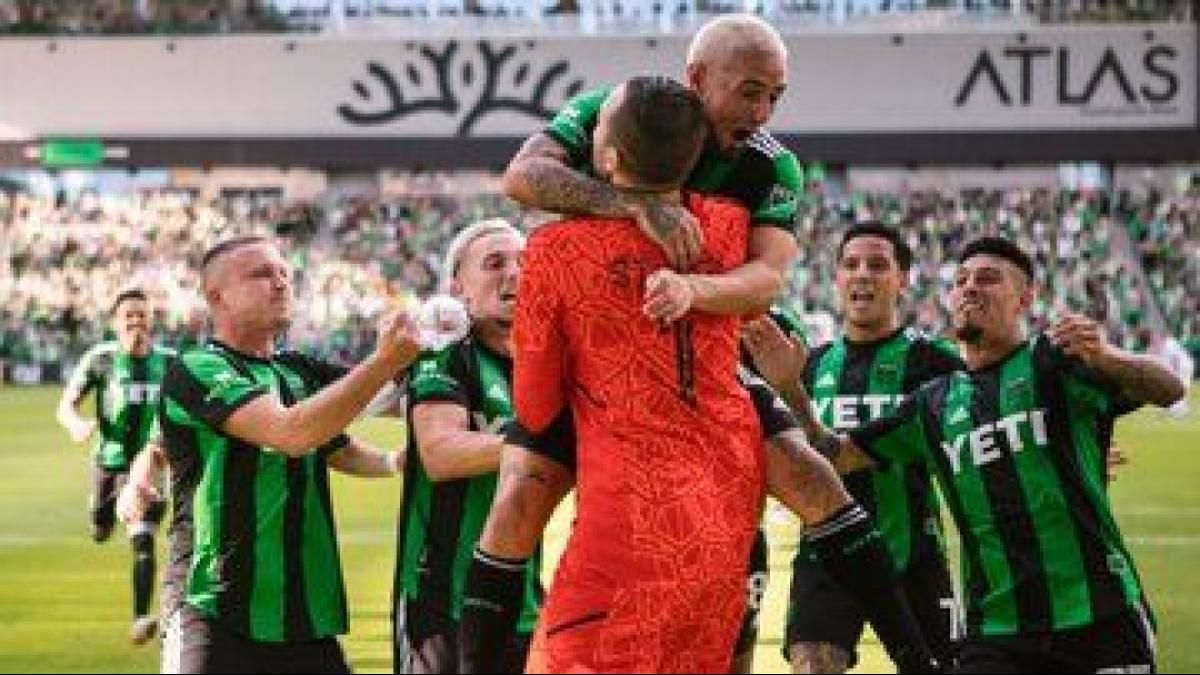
(1084, 257)
(127, 17)
(175, 17)
(63, 259)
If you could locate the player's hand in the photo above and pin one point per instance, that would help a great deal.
(134, 499)
(1080, 337)
(399, 340)
(781, 359)
(672, 226)
(669, 296)
(1113, 461)
(82, 430)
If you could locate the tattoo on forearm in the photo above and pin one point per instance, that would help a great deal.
(563, 190)
(1143, 379)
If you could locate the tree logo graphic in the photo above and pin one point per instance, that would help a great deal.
(468, 86)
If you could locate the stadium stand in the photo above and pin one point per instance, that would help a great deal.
(1122, 258)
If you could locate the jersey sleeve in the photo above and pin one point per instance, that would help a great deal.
(898, 438)
(208, 388)
(539, 346)
(437, 377)
(1087, 387)
(84, 379)
(780, 206)
(572, 127)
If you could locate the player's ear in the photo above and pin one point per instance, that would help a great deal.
(609, 161)
(455, 287)
(697, 76)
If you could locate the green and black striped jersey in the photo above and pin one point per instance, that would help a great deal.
(1019, 452)
(127, 389)
(440, 522)
(852, 384)
(253, 541)
(765, 177)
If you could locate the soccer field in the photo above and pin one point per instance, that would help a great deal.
(65, 601)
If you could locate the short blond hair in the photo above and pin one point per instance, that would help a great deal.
(465, 238)
(732, 33)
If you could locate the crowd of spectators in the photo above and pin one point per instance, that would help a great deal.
(137, 17)
(62, 259)
(176, 17)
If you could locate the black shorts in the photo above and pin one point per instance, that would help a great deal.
(1120, 644)
(558, 441)
(106, 487)
(756, 590)
(193, 643)
(425, 640)
(821, 611)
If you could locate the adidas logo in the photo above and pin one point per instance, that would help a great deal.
(827, 381)
(781, 195)
(959, 416)
(497, 392)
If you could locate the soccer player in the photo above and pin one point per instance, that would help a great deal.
(460, 399)
(670, 473)
(737, 64)
(642, 138)
(125, 375)
(1017, 443)
(858, 378)
(250, 434)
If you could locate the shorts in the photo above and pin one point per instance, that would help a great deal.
(1121, 644)
(558, 441)
(106, 487)
(425, 640)
(756, 590)
(194, 643)
(821, 611)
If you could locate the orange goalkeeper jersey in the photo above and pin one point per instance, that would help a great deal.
(670, 477)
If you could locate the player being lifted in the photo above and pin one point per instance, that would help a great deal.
(633, 131)
(1017, 443)
(125, 375)
(738, 65)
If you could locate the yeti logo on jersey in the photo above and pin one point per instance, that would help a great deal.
(987, 443)
(851, 412)
(141, 393)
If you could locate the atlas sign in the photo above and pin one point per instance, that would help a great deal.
(1114, 81)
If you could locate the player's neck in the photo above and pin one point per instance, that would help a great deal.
(871, 332)
(990, 350)
(138, 350)
(496, 338)
(624, 183)
(253, 342)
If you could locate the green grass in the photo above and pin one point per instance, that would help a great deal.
(65, 602)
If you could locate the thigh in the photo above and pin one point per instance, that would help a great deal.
(756, 590)
(1121, 644)
(106, 485)
(820, 611)
(427, 641)
(194, 643)
(982, 656)
(320, 657)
